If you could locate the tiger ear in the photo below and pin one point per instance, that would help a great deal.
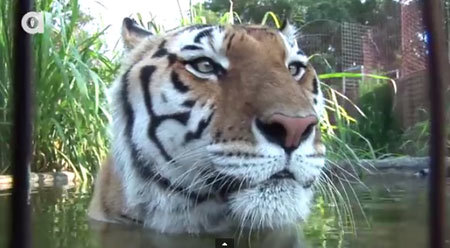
(289, 30)
(132, 33)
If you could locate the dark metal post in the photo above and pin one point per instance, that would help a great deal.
(438, 69)
(22, 130)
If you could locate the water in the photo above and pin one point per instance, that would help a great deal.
(395, 211)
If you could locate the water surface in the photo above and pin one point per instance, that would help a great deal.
(395, 215)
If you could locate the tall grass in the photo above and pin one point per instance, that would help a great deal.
(71, 74)
(6, 47)
(415, 139)
(366, 134)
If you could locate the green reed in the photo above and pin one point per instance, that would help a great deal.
(71, 76)
(6, 44)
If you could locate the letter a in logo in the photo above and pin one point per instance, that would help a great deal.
(33, 22)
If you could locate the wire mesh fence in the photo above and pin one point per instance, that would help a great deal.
(394, 45)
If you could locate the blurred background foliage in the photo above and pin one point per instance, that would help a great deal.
(304, 11)
(365, 12)
(73, 71)
(71, 75)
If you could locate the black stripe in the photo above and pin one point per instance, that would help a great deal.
(162, 44)
(196, 27)
(146, 73)
(315, 86)
(145, 77)
(152, 136)
(202, 34)
(127, 109)
(147, 173)
(229, 42)
(191, 47)
(160, 53)
(201, 127)
(188, 103)
(300, 52)
(131, 219)
(182, 117)
(132, 26)
(172, 58)
(180, 86)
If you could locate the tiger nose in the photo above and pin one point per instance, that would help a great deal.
(288, 131)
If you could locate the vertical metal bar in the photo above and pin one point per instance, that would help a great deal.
(438, 69)
(22, 130)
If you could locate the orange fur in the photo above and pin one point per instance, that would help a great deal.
(107, 203)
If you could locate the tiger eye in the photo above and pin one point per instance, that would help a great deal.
(293, 70)
(205, 66)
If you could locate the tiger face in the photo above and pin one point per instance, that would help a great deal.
(213, 128)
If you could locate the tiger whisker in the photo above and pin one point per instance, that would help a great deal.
(330, 184)
(346, 172)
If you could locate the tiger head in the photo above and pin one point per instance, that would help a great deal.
(216, 126)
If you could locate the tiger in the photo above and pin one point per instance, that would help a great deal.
(214, 128)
